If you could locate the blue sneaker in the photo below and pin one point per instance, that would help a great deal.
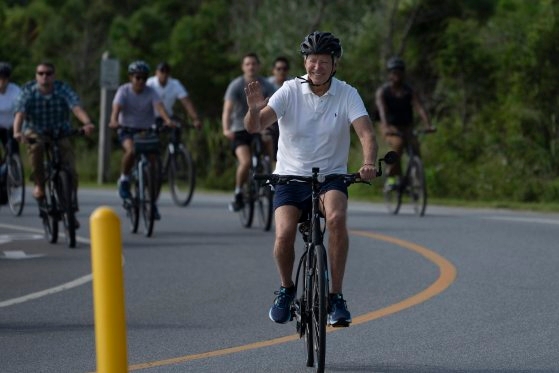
(280, 311)
(338, 315)
(124, 189)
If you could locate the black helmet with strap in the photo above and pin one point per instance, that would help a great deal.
(321, 43)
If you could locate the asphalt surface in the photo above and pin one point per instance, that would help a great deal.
(458, 290)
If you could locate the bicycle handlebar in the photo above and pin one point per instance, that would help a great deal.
(58, 136)
(275, 179)
(389, 158)
(416, 132)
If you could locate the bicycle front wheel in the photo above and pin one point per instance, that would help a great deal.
(320, 306)
(49, 215)
(64, 200)
(147, 205)
(182, 176)
(15, 184)
(417, 187)
(307, 309)
(132, 206)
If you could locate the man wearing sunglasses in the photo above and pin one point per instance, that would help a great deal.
(133, 111)
(43, 107)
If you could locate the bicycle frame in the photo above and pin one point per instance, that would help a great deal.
(311, 229)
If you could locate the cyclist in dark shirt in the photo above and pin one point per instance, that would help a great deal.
(396, 101)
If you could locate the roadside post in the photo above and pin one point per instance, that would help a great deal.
(109, 82)
(108, 291)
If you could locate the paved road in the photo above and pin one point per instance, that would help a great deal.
(455, 291)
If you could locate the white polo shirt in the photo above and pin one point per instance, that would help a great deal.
(314, 131)
(170, 93)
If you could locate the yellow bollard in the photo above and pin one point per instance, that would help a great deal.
(108, 291)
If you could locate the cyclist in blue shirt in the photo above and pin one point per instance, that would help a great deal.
(44, 106)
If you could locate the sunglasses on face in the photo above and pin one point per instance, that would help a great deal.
(47, 73)
(141, 77)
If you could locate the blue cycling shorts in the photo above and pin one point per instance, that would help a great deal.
(299, 194)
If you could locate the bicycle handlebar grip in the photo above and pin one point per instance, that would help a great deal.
(261, 177)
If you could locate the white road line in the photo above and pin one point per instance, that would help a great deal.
(66, 286)
(19, 255)
(39, 294)
(525, 220)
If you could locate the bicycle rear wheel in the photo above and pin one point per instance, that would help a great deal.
(319, 306)
(246, 214)
(64, 203)
(264, 202)
(147, 205)
(392, 197)
(15, 184)
(48, 210)
(417, 186)
(182, 176)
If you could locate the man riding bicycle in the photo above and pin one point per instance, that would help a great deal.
(43, 107)
(234, 110)
(133, 107)
(314, 113)
(171, 90)
(395, 101)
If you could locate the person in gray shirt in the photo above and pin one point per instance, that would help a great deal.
(234, 109)
(133, 111)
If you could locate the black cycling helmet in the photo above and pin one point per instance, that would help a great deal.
(321, 43)
(5, 70)
(396, 63)
(138, 67)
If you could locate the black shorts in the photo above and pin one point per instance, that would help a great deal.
(127, 133)
(299, 194)
(241, 138)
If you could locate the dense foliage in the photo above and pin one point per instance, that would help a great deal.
(487, 70)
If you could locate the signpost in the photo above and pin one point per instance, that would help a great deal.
(109, 82)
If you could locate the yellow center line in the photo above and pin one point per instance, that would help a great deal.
(447, 275)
